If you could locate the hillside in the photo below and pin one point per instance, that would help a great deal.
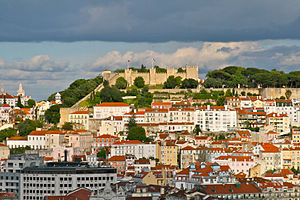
(229, 77)
(77, 90)
(233, 76)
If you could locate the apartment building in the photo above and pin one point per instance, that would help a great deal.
(295, 135)
(80, 120)
(108, 109)
(133, 147)
(60, 178)
(279, 122)
(290, 157)
(216, 118)
(167, 153)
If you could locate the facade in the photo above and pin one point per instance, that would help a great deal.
(109, 109)
(290, 157)
(167, 153)
(237, 164)
(4, 151)
(62, 178)
(152, 77)
(80, 120)
(279, 122)
(10, 174)
(133, 147)
(295, 135)
(216, 118)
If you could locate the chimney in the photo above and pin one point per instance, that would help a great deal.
(226, 107)
(66, 155)
(208, 107)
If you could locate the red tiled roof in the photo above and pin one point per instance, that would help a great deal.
(117, 158)
(128, 142)
(18, 138)
(188, 148)
(112, 104)
(242, 188)
(81, 112)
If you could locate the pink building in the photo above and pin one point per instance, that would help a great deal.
(201, 140)
(118, 162)
(237, 163)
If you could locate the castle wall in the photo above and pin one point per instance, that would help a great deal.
(152, 78)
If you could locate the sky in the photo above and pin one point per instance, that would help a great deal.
(46, 45)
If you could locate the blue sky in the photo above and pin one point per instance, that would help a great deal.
(48, 44)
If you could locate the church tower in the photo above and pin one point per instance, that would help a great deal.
(58, 98)
(2, 90)
(20, 91)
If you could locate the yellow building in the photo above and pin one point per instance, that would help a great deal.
(290, 157)
(279, 122)
(296, 135)
(167, 153)
(80, 120)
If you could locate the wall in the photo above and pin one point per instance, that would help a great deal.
(151, 78)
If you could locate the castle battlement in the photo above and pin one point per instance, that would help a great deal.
(152, 77)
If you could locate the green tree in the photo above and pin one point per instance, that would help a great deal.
(189, 83)
(221, 137)
(67, 126)
(288, 94)
(137, 133)
(19, 103)
(172, 82)
(294, 170)
(19, 150)
(197, 130)
(52, 115)
(131, 123)
(77, 90)
(26, 127)
(243, 93)
(282, 97)
(221, 101)
(228, 93)
(30, 103)
(139, 82)
(102, 153)
(121, 83)
(110, 94)
(7, 133)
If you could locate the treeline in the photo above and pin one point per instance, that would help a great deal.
(77, 90)
(233, 76)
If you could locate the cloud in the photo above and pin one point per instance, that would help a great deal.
(36, 63)
(209, 56)
(148, 21)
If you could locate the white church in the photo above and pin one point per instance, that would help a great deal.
(12, 100)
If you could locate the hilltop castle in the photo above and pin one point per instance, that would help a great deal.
(152, 77)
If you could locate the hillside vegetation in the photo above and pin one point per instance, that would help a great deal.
(251, 77)
(77, 90)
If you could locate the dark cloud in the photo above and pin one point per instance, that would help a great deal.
(150, 21)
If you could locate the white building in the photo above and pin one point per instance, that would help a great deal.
(61, 178)
(133, 147)
(108, 109)
(216, 118)
(35, 140)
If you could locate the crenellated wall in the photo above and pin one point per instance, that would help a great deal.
(151, 77)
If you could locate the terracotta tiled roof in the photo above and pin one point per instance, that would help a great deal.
(81, 112)
(117, 158)
(112, 104)
(242, 188)
(17, 138)
(128, 142)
